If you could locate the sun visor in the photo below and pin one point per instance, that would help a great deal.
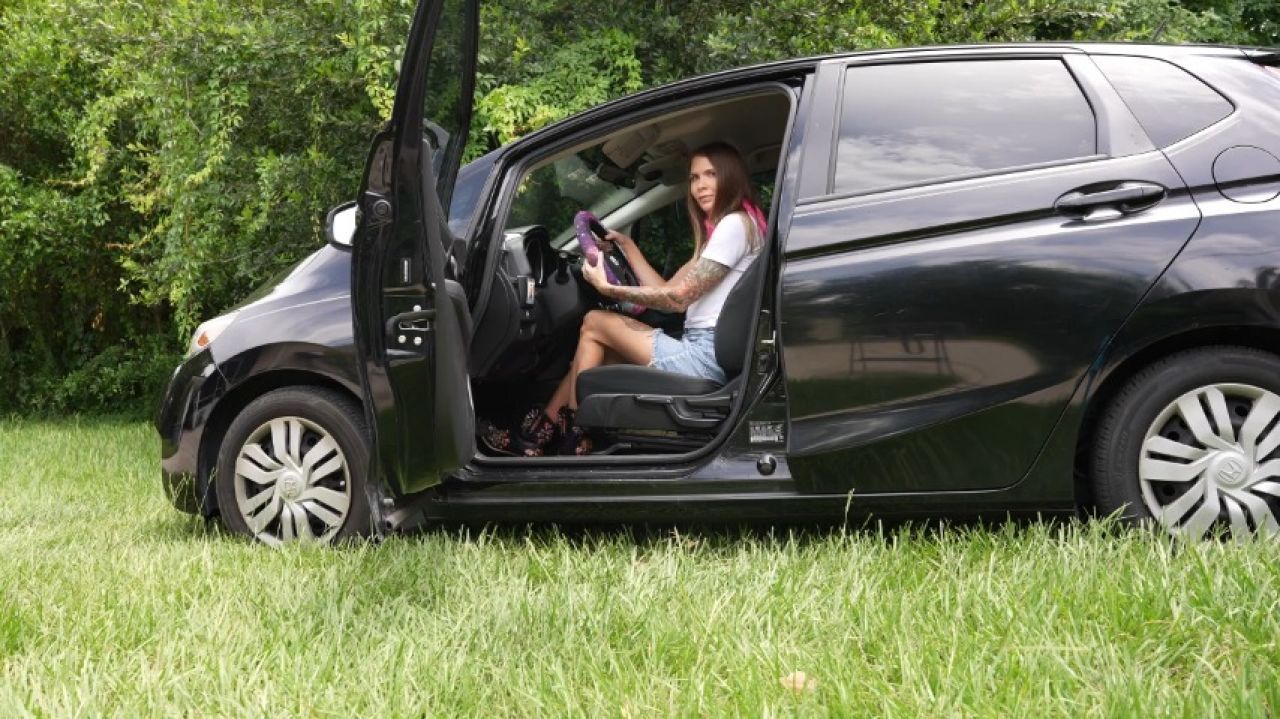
(626, 149)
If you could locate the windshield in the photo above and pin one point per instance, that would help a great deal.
(471, 181)
(550, 195)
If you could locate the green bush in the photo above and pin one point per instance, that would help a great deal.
(160, 159)
(113, 380)
(167, 158)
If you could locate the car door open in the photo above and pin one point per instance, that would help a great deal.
(411, 327)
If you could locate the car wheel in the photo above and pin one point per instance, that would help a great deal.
(1190, 443)
(292, 468)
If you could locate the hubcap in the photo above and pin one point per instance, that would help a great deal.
(1210, 457)
(290, 485)
(1229, 469)
(292, 482)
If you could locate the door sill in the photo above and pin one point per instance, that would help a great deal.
(485, 468)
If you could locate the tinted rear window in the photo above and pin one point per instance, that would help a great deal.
(1170, 103)
(914, 123)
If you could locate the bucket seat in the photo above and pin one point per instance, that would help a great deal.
(651, 408)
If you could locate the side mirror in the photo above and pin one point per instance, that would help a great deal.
(340, 224)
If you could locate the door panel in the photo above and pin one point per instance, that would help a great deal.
(932, 336)
(410, 334)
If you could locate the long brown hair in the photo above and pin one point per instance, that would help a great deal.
(733, 187)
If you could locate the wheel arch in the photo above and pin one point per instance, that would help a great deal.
(234, 402)
(1120, 371)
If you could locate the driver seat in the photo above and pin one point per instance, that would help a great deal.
(651, 408)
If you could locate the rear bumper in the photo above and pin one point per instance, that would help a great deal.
(188, 402)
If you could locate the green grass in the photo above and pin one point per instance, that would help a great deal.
(113, 604)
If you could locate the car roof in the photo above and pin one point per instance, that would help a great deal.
(782, 68)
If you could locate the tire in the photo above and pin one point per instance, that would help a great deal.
(1190, 444)
(312, 491)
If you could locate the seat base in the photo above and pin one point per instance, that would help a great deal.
(657, 411)
(631, 379)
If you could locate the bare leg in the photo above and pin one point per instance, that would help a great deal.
(606, 338)
(563, 396)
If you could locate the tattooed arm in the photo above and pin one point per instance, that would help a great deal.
(674, 296)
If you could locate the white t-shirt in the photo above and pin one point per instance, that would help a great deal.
(729, 246)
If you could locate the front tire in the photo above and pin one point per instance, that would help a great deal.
(1191, 443)
(292, 468)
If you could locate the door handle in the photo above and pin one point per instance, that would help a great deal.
(1124, 198)
(409, 320)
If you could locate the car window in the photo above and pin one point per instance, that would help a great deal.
(1170, 103)
(908, 124)
(446, 107)
(663, 236)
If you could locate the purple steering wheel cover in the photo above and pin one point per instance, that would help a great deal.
(587, 241)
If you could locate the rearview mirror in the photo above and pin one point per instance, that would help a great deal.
(615, 175)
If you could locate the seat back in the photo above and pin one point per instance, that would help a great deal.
(737, 317)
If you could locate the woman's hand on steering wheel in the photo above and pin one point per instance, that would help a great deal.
(616, 239)
(594, 274)
(612, 251)
(613, 261)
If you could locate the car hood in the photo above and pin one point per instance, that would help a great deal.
(323, 275)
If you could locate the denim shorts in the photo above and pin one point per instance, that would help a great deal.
(694, 354)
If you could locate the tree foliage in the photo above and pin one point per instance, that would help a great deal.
(161, 159)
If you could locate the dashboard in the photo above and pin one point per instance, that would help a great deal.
(535, 309)
(529, 329)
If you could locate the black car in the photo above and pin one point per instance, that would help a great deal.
(1000, 280)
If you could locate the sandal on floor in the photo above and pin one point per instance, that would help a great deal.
(573, 439)
(535, 435)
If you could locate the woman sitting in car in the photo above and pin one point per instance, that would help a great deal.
(728, 230)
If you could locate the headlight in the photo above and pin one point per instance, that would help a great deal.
(208, 332)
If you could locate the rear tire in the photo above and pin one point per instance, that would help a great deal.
(292, 468)
(1190, 444)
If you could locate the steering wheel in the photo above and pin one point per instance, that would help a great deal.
(590, 233)
(616, 267)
